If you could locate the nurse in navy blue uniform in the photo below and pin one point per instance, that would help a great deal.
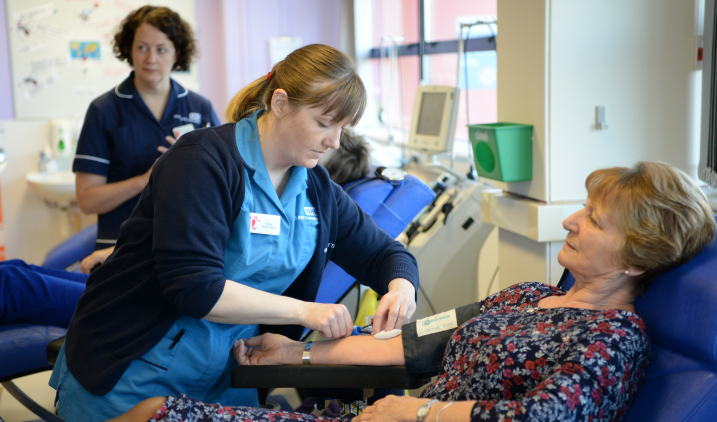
(231, 236)
(128, 128)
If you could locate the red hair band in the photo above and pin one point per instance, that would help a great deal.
(268, 76)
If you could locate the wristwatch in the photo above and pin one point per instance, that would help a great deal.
(423, 410)
(392, 175)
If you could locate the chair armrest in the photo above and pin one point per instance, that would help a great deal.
(53, 350)
(325, 376)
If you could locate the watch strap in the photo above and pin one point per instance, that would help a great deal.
(306, 356)
(423, 410)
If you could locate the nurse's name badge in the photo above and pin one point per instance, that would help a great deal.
(264, 224)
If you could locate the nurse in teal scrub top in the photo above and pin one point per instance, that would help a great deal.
(233, 231)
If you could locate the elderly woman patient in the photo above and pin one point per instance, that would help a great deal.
(532, 351)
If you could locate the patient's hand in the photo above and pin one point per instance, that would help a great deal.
(268, 349)
(95, 258)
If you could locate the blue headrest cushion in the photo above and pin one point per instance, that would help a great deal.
(370, 195)
(402, 205)
(680, 307)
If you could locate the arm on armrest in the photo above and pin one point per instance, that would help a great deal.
(424, 355)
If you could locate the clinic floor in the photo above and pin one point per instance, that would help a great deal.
(36, 387)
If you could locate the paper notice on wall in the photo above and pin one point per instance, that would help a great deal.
(30, 47)
(116, 71)
(34, 85)
(35, 13)
(53, 31)
(47, 64)
(44, 64)
(109, 22)
(280, 47)
(89, 92)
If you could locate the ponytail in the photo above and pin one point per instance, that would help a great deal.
(250, 99)
(313, 76)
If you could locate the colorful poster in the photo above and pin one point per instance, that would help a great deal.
(83, 50)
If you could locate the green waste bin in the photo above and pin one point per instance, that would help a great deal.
(503, 151)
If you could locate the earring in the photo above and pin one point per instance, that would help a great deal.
(627, 272)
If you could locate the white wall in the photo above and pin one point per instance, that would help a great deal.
(559, 59)
(636, 59)
(234, 38)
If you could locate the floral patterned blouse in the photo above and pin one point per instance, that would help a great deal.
(519, 361)
(522, 362)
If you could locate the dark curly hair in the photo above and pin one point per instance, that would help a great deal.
(167, 21)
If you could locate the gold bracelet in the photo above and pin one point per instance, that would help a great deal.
(442, 409)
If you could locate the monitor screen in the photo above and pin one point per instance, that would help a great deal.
(431, 115)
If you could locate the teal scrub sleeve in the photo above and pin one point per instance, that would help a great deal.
(424, 355)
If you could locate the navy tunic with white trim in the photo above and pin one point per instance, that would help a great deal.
(120, 136)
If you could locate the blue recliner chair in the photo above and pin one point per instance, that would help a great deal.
(23, 352)
(72, 250)
(680, 310)
(391, 207)
(23, 346)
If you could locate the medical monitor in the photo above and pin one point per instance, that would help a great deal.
(433, 124)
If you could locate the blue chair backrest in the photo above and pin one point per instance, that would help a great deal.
(72, 250)
(680, 311)
(391, 207)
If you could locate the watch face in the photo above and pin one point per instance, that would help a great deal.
(422, 412)
(393, 174)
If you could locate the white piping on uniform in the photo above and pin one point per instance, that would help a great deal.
(112, 241)
(89, 157)
(183, 94)
(117, 93)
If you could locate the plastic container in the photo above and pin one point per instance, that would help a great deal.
(503, 151)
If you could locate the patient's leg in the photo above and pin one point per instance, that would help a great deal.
(182, 408)
(28, 295)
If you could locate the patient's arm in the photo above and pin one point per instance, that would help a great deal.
(274, 349)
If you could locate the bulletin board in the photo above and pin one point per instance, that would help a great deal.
(61, 53)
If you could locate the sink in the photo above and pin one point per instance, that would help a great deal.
(56, 186)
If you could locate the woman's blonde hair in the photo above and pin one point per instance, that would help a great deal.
(316, 76)
(664, 215)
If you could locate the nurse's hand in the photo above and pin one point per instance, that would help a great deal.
(396, 307)
(268, 349)
(330, 320)
(171, 141)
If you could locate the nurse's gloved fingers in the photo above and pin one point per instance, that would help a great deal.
(328, 319)
(170, 139)
(381, 318)
(407, 311)
(162, 149)
(349, 324)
